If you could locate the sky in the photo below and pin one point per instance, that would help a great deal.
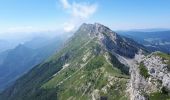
(26, 16)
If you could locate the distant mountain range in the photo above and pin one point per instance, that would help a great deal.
(155, 40)
(15, 62)
(5, 45)
(146, 30)
(96, 63)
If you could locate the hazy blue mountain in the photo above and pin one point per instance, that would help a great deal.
(37, 42)
(17, 61)
(5, 45)
(155, 40)
(3, 56)
(148, 30)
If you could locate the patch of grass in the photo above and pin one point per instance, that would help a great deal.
(165, 90)
(143, 70)
(95, 63)
(165, 57)
(159, 96)
(163, 95)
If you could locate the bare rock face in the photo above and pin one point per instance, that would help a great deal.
(111, 40)
(140, 86)
(157, 69)
(136, 83)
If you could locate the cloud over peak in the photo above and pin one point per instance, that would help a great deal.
(78, 11)
(83, 10)
(65, 4)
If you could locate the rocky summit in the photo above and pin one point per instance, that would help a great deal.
(96, 64)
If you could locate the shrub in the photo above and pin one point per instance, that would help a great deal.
(143, 70)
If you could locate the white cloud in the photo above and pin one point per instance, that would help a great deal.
(65, 4)
(79, 12)
(83, 10)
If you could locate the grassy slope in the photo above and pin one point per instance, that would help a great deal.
(93, 76)
(82, 78)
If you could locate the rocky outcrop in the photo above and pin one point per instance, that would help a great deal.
(140, 87)
(157, 69)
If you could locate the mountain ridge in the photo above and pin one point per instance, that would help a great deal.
(88, 67)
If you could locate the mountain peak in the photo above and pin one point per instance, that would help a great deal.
(99, 25)
(96, 26)
(96, 29)
(109, 39)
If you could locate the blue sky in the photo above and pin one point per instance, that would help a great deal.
(36, 15)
